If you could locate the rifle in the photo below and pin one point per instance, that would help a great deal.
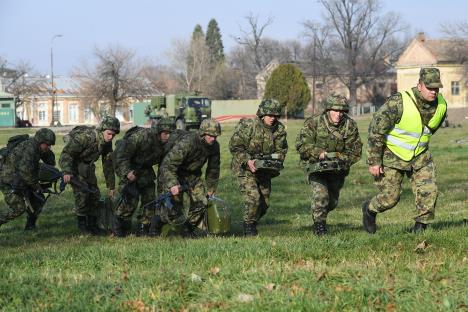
(49, 175)
(164, 199)
(128, 191)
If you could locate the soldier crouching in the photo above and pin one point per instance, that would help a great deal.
(328, 145)
(182, 167)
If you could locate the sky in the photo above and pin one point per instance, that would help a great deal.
(149, 27)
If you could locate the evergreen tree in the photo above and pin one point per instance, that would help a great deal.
(287, 85)
(197, 32)
(214, 42)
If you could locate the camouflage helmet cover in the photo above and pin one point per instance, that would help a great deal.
(336, 102)
(269, 107)
(110, 123)
(211, 127)
(430, 76)
(45, 135)
(164, 124)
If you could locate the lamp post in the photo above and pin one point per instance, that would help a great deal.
(53, 90)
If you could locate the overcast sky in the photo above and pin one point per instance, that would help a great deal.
(148, 27)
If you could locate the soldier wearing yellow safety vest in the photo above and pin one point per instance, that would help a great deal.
(398, 145)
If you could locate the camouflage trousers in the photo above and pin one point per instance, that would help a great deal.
(17, 204)
(423, 183)
(256, 195)
(325, 189)
(86, 204)
(198, 201)
(146, 193)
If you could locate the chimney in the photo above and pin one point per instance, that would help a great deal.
(421, 37)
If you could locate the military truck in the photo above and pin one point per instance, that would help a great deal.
(188, 111)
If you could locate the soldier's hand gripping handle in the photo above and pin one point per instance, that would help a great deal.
(251, 165)
(67, 178)
(175, 190)
(376, 170)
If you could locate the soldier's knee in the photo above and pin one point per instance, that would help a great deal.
(388, 201)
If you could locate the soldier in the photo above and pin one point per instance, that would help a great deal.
(83, 146)
(328, 145)
(19, 175)
(398, 145)
(253, 142)
(134, 156)
(182, 166)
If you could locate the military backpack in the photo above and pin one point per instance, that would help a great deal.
(12, 143)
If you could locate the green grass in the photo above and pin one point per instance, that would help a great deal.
(286, 268)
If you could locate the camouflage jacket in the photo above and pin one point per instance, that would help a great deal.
(251, 138)
(186, 159)
(21, 166)
(319, 135)
(139, 150)
(83, 147)
(383, 122)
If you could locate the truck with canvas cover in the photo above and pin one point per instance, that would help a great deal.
(188, 111)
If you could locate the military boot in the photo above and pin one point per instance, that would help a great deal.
(118, 227)
(250, 229)
(188, 230)
(155, 226)
(368, 218)
(320, 228)
(418, 227)
(93, 227)
(143, 230)
(30, 222)
(82, 225)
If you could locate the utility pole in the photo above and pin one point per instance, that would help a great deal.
(53, 89)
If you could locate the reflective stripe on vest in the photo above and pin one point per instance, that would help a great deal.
(410, 137)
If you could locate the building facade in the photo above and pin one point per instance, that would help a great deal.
(423, 52)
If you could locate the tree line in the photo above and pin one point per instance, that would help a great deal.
(355, 41)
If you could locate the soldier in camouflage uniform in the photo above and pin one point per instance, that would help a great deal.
(398, 145)
(19, 181)
(252, 141)
(328, 145)
(182, 166)
(134, 158)
(83, 147)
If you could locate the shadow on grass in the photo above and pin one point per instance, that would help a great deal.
(440, 225)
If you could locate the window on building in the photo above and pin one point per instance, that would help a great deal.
(73, 112)
(88, 114)
(455, 87)
(42, 112)
(57, 114)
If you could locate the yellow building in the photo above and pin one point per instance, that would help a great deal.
(422, 52)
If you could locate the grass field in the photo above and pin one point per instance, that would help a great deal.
(285, 268)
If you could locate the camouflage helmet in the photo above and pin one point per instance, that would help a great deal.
(269, 107)
(110, 123)
(336, 102)
(164, 124)
(211, 127)
(45, 135)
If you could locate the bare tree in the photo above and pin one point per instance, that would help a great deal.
(252, 39)
(191, 60)
(163, 79)
(457, 48)
(23, 83)
(115, 79)
(361, 41)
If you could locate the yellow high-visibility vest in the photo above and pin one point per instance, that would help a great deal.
(410, 137)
